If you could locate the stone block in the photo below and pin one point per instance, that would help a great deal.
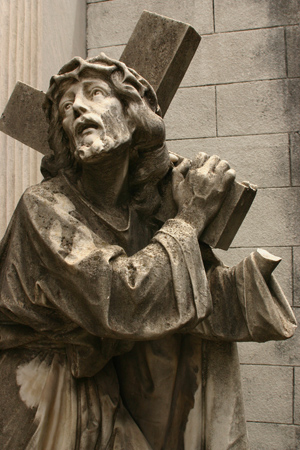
(268, 393)
(113, 52)
(295, 158)
(24, 119)
(161, 49)
(283, 271)
(247, 14)
(273, 436)
(297, 396)
(222, 230)
(192, 113)
(272, 220)
(281, 353)
(240, 56)
(198, 13)
(258, 107)
(296, 275)
(260, 159)
(292, 46)
(112, 22)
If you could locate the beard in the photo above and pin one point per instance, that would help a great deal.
(95, 136)
(91, 146)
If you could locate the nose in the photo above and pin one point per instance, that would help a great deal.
(79, 106)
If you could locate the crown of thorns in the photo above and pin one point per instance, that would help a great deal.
(127, 82)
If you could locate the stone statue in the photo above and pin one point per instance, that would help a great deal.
(118, 328)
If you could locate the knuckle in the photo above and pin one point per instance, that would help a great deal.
(202, 154)
(225, 163)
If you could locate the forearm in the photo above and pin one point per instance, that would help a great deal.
(248, 304)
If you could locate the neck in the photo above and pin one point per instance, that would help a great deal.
(105, 183)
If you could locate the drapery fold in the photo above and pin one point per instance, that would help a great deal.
(106, 344)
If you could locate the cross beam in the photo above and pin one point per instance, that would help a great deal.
(160, 49)
(162, 59)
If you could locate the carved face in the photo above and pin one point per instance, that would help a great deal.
(93, 119)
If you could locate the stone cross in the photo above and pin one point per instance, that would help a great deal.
(160, 49)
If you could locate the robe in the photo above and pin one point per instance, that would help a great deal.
(122, 338)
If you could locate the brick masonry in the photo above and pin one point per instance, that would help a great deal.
(247, 14)
(263, 159)
(293, 57)
(219, 57)
(268, 393)
(240, 99)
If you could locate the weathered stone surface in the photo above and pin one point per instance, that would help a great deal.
(112, 22)
(240, 56)
(164, 56)
(225, 225)
(244, 14)
(296, 273)
(295, 158)
(274, 352)
(261, 159)
(163, 65)
(268, 393)
(171, 48)
(297, 397)
(24, 119)
(283, 271)
(273, 436)
(181, 113)
(192, 113)
(258, 107)
(258, 230)
(293, 44)
(114, 51)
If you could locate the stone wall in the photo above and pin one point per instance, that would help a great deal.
(36, 38)
(240, 100)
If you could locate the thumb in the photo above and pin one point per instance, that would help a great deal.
(177, 178)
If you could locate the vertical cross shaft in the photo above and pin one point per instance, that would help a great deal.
(160, 49)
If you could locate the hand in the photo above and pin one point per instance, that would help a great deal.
(199, 188)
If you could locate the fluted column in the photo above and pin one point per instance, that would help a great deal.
(20, 39)
(36, 38)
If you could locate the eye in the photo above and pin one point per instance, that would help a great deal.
(96, 92)
(67, 106)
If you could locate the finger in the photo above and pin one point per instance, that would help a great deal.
(211, 163)
(230, 176)
(177, 177)
(200, 159)
(247, 184)
(174, 158)
(222, 166)
(183, 167)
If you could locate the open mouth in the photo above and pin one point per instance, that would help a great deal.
(84, 127)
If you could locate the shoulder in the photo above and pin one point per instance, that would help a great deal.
(47, 192)
(47, 200)
(45, 189)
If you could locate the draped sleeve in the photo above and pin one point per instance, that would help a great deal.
(57, 274)
(246, 307)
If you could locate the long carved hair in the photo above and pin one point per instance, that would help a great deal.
(149, 158)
